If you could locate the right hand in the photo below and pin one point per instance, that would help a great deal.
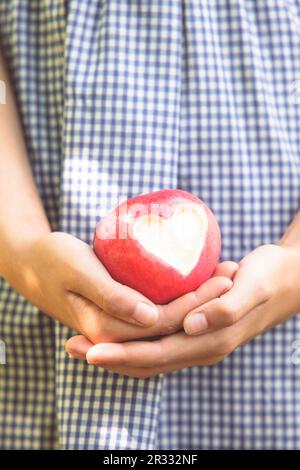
(62, 276)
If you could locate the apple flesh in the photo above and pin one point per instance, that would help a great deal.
(163, 244)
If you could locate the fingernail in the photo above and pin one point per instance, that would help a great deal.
(196, 323)
(145, 314)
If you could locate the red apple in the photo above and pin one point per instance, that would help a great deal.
(163, 244)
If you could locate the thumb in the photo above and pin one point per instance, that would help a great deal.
(245, 295)
(93, 282)
(173, 314)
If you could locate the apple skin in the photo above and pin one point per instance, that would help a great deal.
(129, 263)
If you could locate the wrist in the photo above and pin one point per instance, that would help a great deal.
(16, 256)
(289, 241)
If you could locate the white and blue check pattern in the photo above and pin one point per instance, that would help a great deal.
(122, 97)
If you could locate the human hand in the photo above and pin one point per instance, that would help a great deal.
(62, 276)
(265, 292)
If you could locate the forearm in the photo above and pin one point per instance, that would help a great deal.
(22, 217)
(291, 236)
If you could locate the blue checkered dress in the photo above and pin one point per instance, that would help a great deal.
(122, 97)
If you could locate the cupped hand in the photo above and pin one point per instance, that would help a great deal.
(265, 292)
(62, 276)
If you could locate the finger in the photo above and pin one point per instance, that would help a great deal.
(226, 269)
(78, 346)
(245, 294)
(171, 350)
(92, 281)
(98, 326)
(173, 314)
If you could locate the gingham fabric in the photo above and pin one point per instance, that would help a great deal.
(125, 97)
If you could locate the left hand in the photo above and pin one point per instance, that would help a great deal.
(265, 292)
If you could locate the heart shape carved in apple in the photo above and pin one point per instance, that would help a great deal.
(177, 240)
